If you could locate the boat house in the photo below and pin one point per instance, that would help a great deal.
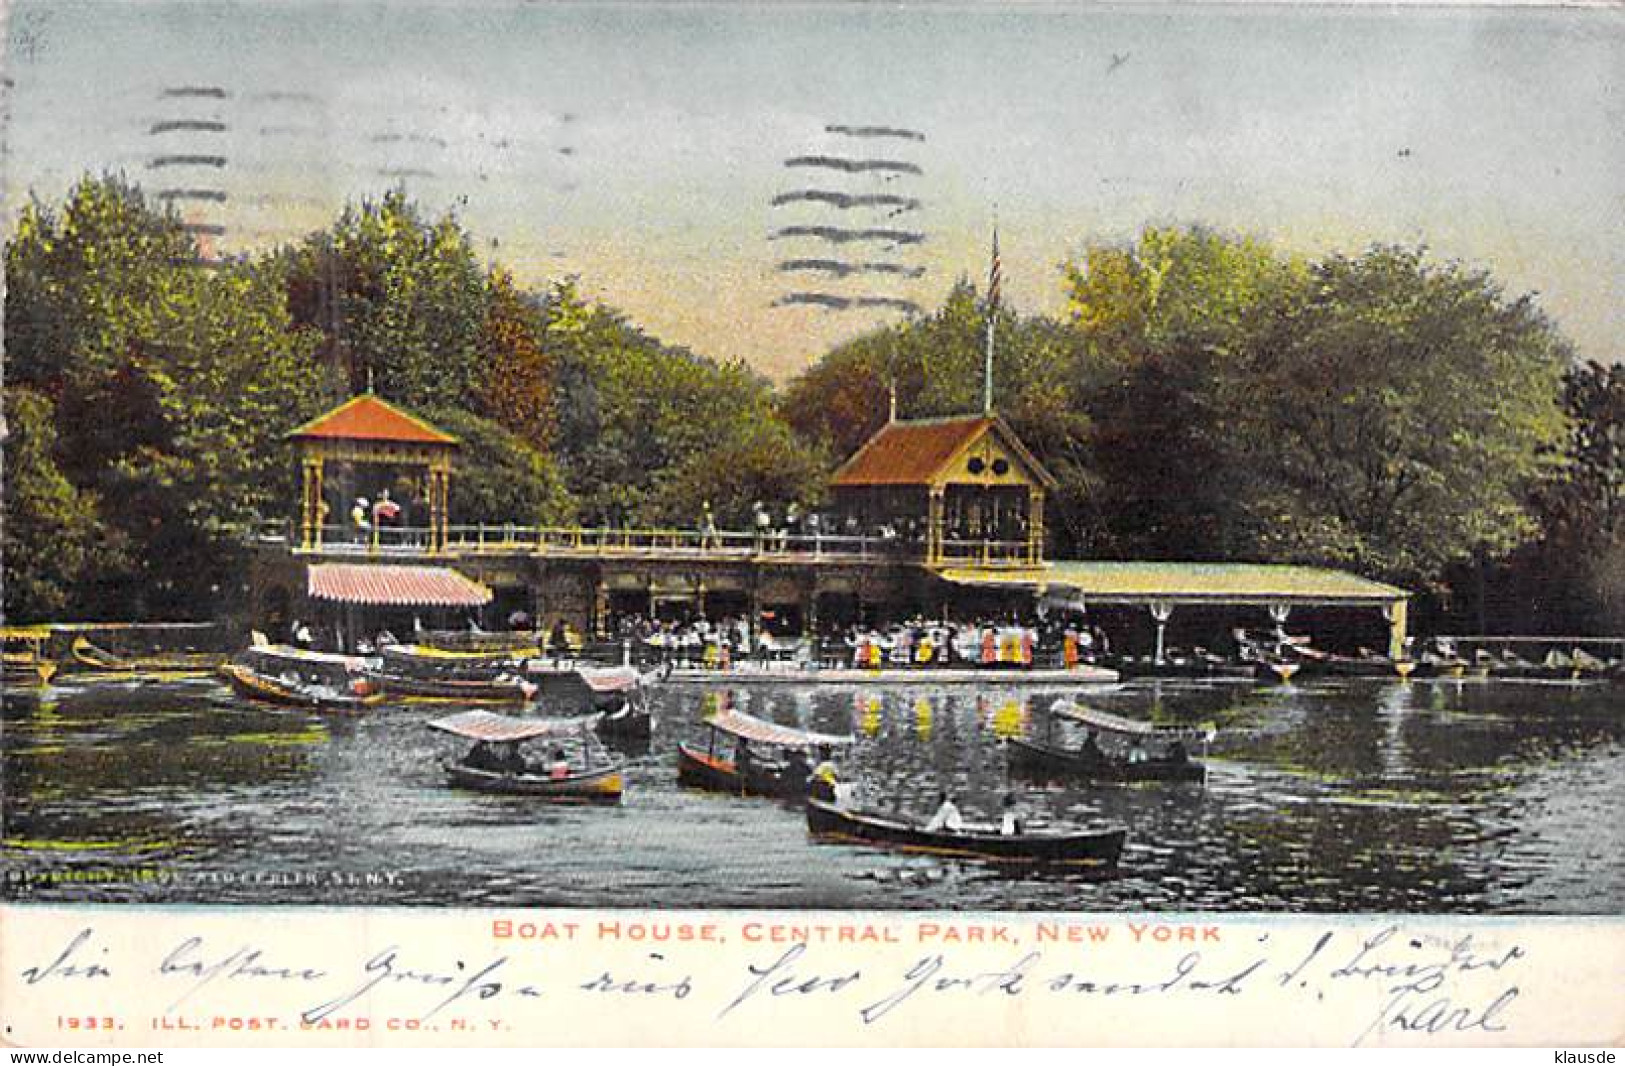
(940, 517)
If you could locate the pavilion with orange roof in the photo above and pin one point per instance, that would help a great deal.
(367, 429)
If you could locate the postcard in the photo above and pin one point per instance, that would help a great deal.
(650, 523)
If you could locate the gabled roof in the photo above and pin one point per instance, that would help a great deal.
(914, 452)
(366, 417)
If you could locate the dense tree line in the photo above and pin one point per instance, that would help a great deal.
(1203, 397)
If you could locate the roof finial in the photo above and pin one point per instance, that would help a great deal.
(369, 381)
(891, 400)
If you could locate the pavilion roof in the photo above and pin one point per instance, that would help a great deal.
(366, 417)
(916, 451)
(1190, 583)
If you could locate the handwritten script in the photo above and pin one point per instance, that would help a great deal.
(1375, 982)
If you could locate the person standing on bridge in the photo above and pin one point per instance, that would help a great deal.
(708, 527)
(763, 523)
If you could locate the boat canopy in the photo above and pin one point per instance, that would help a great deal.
(1113, 723)
(504, 729)
(423, 653)
(747, 727)
(610, 680)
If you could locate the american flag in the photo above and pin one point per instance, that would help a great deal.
(994, 274)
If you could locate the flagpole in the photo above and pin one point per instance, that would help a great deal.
(993, 280)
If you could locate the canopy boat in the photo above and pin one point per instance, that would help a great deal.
(496, 762)
(1093, 847)
(279, 673)
(782, 774)
(629, 719)
(1134, 750)
(26, 664)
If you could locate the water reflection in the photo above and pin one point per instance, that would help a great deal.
(1358, 795)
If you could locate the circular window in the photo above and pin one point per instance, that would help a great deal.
(1001, 467)
(976, 465)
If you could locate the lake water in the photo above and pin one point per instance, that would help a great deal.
(1430, 796)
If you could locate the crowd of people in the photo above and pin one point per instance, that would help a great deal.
(919, 642)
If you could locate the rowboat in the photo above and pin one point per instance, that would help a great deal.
(782, 772)
(420, 660)
(501, 689)
(1093, 847)
(93, 658)
(26, 664)
(279, 673)
(246, 681)
(497, 763)
(1134, 750)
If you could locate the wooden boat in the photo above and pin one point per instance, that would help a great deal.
(781, 768)
(630, 723)
(96, 659)
(25, 662)
(1095, 847)
(280, 673)
(496, 762)
(418, 660)
(1366, 664)
(502, 689)
(273, 689)
(1133, 750)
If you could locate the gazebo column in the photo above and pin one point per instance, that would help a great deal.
(439, 498)
(310, 502)
(600, 610)
(1394, 613)
(933, 524)
(1161, 611)
(1035, 525)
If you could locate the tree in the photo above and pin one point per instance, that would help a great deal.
(1163, 322)
(515, 386)
(171, 386)
(401, 301)
(54, 540)
(1394, 415)
(500, 478)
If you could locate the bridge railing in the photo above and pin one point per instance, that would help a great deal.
(513, 538)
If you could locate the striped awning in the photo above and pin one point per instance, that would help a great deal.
(502, 729)
(395, 586)
(746, 727)
(1134, 727)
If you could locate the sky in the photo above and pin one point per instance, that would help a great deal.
(676, 157)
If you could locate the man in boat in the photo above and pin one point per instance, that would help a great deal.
(796, 768)
(559, 768)
(483, 756)
(1090, 746)
(947, 819)
(825, 778)
(1011, 824)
